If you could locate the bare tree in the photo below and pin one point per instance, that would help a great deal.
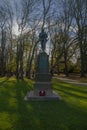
(34, 42)
(9, 29)
(80, 15)
(22, 17)
(3, 24)
(61, 36)
(46, 7)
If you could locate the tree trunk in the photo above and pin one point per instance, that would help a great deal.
(21, 59)
(65, 61)
(81, 46)
(17, 63)
(29, 65)
(11, 57)
(3, 66)
(82, 60)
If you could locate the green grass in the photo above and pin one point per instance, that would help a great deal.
(70, 113)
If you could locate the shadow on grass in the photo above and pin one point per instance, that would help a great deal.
(13, 109)
(46, 115)
(23, 111)
(72, 92)
(77, 91)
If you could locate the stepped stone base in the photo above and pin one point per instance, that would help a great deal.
(42, 86)
(42, 91)
(32, 97)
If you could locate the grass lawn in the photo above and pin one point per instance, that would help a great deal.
(70, 113)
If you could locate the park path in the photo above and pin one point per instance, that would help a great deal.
(71, 81)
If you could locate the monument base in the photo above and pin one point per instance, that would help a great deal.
(42, 86)
(32, 97)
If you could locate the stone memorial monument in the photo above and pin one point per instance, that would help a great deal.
(42, 86)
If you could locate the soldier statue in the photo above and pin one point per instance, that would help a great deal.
(43, 38)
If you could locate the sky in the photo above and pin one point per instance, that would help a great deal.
(55, 6)
(39, 12)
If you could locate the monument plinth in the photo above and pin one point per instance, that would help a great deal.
(43, 77)
(42, 86)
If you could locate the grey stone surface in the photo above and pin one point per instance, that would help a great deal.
(43, 86)
(44, 77)
(42, 63)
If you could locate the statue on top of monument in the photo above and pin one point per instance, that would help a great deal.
(43, 39)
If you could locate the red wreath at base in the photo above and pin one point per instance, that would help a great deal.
(42, 93)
